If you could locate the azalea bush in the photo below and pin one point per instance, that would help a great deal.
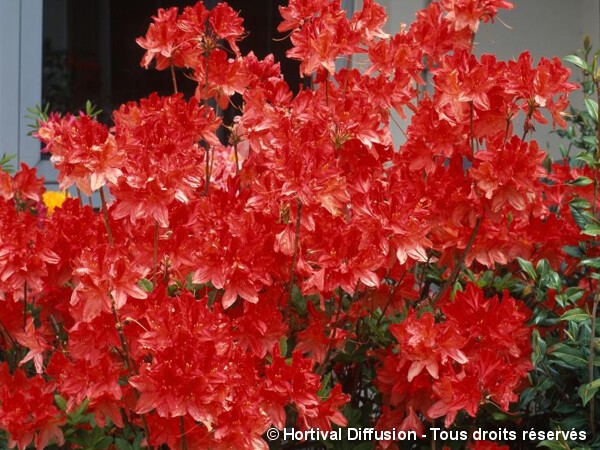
(294, 268)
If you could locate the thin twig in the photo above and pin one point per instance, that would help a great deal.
(454, 276)
(471, 127)
(129, 365)
(207, 171)
(296, 246)
(237, 159)
(155, 253)
(24, 305)
(7, 337)
(79, 196)
(390, 298)
(182, 434)
(321, 368)
(591, 359)
(111, 241)
(174, 78)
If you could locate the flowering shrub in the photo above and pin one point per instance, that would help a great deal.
(307, 273)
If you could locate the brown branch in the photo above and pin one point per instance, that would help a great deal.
(459, 266)
(111, 241)
(591, 358)
(296, 247)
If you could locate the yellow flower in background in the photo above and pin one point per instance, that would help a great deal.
(54, 199)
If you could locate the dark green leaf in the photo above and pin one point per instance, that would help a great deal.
(539, 348)
(122, 444)
(570, 357)
(588, 391)
(573, 250)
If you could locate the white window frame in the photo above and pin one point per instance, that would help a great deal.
(21, 23)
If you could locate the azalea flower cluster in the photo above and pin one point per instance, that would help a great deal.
(479, 354)
(209, 299)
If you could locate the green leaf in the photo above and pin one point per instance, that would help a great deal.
(5, 165)
(325, 387)
(580, 203)
(592, 108)
(581, 214)
(591, 229)
(528, 268)
(543, 268)
(574, 294)
(122, 444)
(539, 348)
(103, 443)
(588, 391)
(591, 141)
(36, 115)
(60, 402)
(283, 347)
(578, 61)
(552, 280)
(573, 250)
(146, 285)
(594, 263)
(588, 158)
(91, 109)
(137, 444)
(580, 181)
(568, 357)
(553, 445)
(575, 315)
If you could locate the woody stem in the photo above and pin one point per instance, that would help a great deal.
(79, 196)
(592, 354)
(182, 434)
(237, 160)
(207, 170)
(296, 246)
(174, 78)
(472, 130)
(207, 167)
(155, 253)
(6, 335)
(459, 265)
(118, 325)
(321, 368)
(591, 358)
(390, 298)
(111, 241)
(24, 305)
(131, 368)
